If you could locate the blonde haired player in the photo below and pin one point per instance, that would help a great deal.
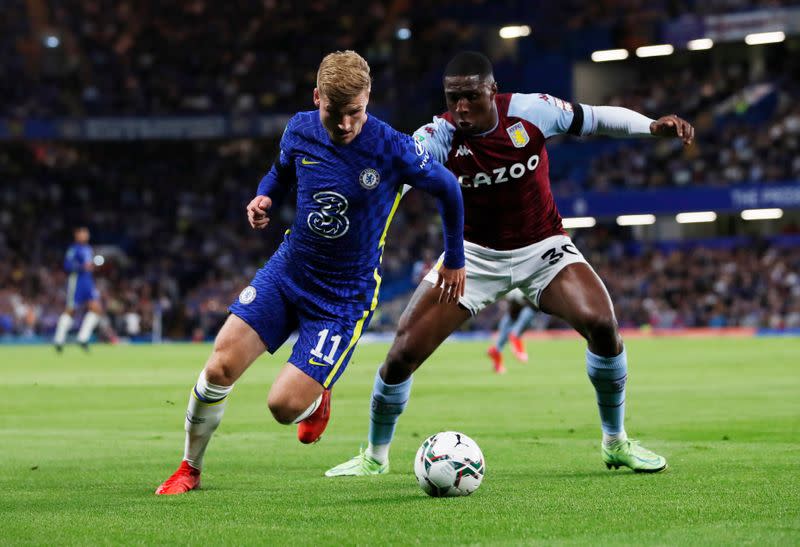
(322, 282)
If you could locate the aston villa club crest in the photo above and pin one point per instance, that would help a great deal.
(369, 178)
(519, 137)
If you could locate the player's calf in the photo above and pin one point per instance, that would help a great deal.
(296, 397)
(401, 361)
(312, 423)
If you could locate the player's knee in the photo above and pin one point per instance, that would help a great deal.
(403, 358)
(602, 331)
(282, 410)
(220, 369)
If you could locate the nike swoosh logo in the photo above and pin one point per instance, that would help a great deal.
(317, 363)
(304, 161)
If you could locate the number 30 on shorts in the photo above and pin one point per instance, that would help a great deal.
(328, 357)
(553, 255)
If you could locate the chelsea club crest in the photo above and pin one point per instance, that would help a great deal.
(247, 295)
(369, 178)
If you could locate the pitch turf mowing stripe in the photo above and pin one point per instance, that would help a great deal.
(87, 438)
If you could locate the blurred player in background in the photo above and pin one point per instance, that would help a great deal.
(517, 317)
(323, 281)
(79, 264)
(495, 144)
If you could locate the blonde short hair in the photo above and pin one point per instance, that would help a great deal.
(343, 75)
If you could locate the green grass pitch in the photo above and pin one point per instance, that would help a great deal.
(87, 438)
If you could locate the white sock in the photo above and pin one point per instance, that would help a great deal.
(88, 324)
(309, 411)
(618, 437)
(62, 328)
(378, 452)
(206, 407)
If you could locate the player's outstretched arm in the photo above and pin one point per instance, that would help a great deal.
(443, 185)
(424, 172)
(554, 116)
(616, 121)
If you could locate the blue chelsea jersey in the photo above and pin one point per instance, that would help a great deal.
(78, 254)
(346, 194)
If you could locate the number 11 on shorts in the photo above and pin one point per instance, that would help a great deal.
(323, 337)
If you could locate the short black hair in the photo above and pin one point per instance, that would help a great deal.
(469, 63)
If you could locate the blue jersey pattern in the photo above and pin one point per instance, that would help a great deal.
(80, 283)
(323, 280)
(345, 197)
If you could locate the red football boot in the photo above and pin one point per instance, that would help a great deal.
(518, 348)
(497, 360)
(184, 479)
(311, 429)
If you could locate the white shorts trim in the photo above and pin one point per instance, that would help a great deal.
(491, 273)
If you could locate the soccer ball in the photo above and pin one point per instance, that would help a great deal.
(449, 464)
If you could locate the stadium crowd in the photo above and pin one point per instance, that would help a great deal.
(168, 218)
(177, 250)
(143, 57)
(747, 123)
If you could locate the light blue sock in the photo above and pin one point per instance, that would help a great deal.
(523, 321)
(388, 402)
(503, 330)
(608, 375)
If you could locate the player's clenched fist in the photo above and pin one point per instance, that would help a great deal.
(673, 126)
(452, 283)
(257, 212)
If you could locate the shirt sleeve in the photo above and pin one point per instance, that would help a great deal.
(69, 261)
(436, 137)
(420, 170)
(282, 175)
(75, 259)
(553, 116)
(616, 121)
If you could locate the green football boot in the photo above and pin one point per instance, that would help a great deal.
(630, 454)
(359, 466)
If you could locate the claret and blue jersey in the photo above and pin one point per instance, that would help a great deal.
(324, 278)
(80, 283)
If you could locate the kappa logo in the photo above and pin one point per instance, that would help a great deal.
(463, 151)
(519, 137)
(247, 295)
(369, 178)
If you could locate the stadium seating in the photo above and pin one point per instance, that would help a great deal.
(168, 216)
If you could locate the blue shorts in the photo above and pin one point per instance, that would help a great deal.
(278, 302)
(80, 291)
